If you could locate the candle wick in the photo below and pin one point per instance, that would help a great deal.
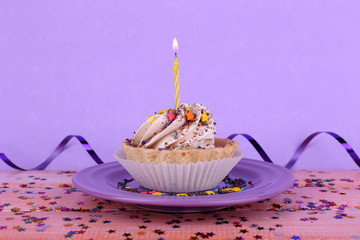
(175, 54)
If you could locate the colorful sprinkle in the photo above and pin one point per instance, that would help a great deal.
(162, 111)
(204, 117)
(170, 115)
(189, 116)
(153, 120)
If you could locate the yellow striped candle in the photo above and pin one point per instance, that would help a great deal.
(176, 75)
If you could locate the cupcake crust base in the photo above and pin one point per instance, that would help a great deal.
(224, 148)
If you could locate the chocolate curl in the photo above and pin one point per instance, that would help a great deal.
(301, 148)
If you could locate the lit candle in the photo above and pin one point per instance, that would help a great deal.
(176, 75)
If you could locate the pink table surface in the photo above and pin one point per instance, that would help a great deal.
(44, 205)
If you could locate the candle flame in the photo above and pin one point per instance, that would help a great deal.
(175, 45)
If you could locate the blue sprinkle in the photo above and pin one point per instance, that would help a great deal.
(175, 134)
(216, 190)
(194, 194)
(242, 189)
(244, 179)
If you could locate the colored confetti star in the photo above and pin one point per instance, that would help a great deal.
(295, 237)
(257, 237)
(176, 226)
(243, 231)
(21, 229)
(170, 115)
(276, 205)
(338, 217)
(141, 233)
(189, 116)
(342, 206)
(243, 219)
(204, 117)
(80, 232)
(106, 221)
(142, 227)
(158, 231)
(111, 231)
(239, 238)
(3, 227)
(72, 232)
(127, 234)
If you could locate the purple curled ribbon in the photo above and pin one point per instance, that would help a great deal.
(300, 149)
(61, 147)
(55, 153)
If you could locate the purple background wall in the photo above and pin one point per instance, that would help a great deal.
(277, 70)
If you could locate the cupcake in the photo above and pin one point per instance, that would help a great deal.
(176, 151)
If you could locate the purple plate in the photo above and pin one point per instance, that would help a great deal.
(268, 180)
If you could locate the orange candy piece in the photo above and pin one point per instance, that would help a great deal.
(189, 116)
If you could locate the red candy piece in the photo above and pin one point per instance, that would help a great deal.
(170, 115)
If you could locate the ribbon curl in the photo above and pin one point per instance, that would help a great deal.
(300, 149)
(61, 147)
(55, 153)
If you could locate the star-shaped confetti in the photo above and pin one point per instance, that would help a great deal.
(170, 115)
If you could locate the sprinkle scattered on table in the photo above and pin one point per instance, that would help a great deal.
(45, 205)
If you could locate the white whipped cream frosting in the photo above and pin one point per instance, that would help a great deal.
(158, 132)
